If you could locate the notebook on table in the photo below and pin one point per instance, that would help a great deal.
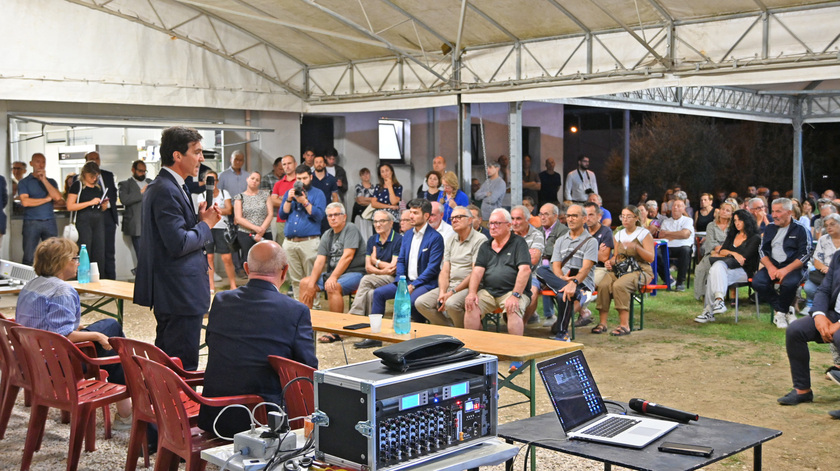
(581, 409)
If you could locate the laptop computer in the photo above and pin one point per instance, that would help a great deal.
(581, 409)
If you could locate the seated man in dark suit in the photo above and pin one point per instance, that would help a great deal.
(246, 325)
(822, 326)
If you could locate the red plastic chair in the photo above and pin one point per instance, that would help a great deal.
(300, 395)
(12, 375)
(54, 364)
(142, 412)
(177, 438)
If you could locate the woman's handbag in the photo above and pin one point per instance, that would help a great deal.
(729, 260)
(70, 231)
(368, 212)
(230, 235)
(625, 266)
(816, 277)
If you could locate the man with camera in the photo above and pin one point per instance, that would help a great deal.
(303, 209)
(581, 182)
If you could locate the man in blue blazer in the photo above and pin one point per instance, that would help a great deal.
(822, 326)
(421, 255)
(246, 325)
(172, 264)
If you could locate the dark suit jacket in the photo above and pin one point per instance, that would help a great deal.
(4, 200)
(131, 198)
(829, 289)
(246, 325)
(431, 257)
(108, 180)
(172, 264)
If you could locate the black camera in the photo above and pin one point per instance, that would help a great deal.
(298, 187)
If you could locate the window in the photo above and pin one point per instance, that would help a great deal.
(394, 140)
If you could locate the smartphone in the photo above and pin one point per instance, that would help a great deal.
(686, 449)
(355, 326)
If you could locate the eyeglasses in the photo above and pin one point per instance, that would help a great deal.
(627, 216)
(381, 221)
(459, 216)
(75, 259)
(335, 215)
(497, 223)
(545, 214)
(573, 215)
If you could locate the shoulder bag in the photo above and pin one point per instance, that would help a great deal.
(70, 231)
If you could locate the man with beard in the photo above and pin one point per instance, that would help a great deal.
(303, 211)
(131, 192)
(581, 182)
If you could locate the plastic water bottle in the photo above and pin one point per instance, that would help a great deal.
(84, 265)
(402, 308)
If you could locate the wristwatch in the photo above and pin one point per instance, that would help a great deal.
(452, 290)
(575, 281)
(516, 295)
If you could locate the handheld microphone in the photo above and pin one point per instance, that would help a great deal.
(210, 186)
(644, 407)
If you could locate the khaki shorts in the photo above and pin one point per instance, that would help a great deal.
(487, 303)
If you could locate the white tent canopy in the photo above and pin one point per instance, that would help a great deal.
(338, 55)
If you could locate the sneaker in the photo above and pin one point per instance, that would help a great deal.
(549, 321)
(514, 365)
(368, 343)
(780, 319)
(835, 414)
(718, 307)
(793, 398)
(533, 319)
(121, 423)
(681, 287)
(829, 370)
(217, 278)
(805, 311)
(673, 283)
(790, 316)
(585, 318)
(833, 374)
(705, 317)
(562, 337)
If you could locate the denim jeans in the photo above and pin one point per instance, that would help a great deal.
(34, 231)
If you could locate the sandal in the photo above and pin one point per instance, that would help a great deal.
(584, 321)
(329, 338)
(599, 329)
(620, 331)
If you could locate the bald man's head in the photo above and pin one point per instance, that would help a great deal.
(266, 259)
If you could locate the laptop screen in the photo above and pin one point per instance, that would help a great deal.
(571, 389)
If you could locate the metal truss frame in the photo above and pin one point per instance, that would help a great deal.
(669, 47)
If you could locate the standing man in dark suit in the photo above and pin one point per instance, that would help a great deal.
(111, 218)
(4, 200)
(172, 266)
(246, 325)
(822, 326)
(421, 255)
(131, 196)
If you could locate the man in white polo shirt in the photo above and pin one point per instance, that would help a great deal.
(678, 230)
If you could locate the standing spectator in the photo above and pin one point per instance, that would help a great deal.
(439, 166)
(172, 264)
(451, 196)
(581, 182)
(491, 192)
(110, 217)
(530, 181)
(275, 175)
(388, 191)
(444, 305)
(550, 183)
(364, 195)
(235, 181)
(4, 201)
(88, 200)
(784, 254)
(421, 254)
(303, 211)
(218, 244)
(433, 182)
(679, 231)
(131, 193)
(38, 194)
(308, 158)
(736, 261)
(339, 265)
(380, 263)
(326, 183)
(338, 172)
(277, 191)
(501, 277)
(438, 224)
(252, 214)
(18, 173)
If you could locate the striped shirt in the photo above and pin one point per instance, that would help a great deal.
(49, 303)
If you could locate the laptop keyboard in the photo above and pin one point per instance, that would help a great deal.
(611, 427)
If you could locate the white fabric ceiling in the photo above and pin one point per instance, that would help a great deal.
(345, 55)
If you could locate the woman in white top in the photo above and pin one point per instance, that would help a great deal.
(715, 235)
(219, 245)
(826, 246)
(632, 244)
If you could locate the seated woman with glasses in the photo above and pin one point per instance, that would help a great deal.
(49, 303)
(627, 270)
(715, 235)
(735, 261)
